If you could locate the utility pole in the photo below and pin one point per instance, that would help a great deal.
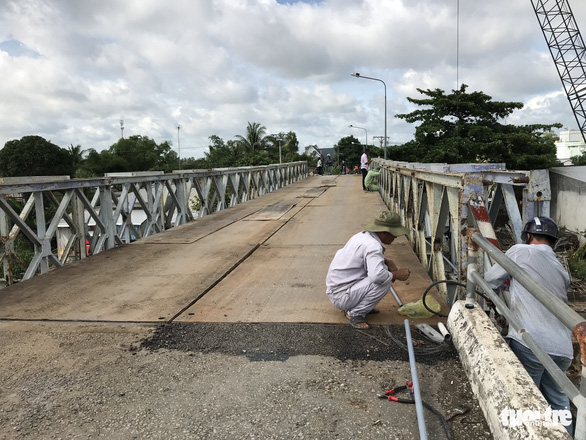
(381, 140)
(121, 128)
(179, 145)
(279, 137)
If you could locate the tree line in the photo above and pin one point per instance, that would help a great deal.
(36, 156)
(455, 127)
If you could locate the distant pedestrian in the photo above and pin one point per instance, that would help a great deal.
(320, 168)
(330, 164)
(343, 167)
(364, 167)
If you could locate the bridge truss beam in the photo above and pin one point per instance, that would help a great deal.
(62, 220)
(442, 204)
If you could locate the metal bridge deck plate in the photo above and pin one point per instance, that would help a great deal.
(225, 268)
(287, 284)
(274, 211)
(284, 280)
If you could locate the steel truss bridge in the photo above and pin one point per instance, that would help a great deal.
(444, 205)
(66, 220)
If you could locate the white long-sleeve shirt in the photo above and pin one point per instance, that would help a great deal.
(364, 161)
(362, 257)
(539, 261)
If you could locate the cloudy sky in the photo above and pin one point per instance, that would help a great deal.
(70, 70)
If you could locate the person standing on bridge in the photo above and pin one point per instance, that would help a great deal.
(538, 259)
(360, 275)
(364, 167)
(330, 164)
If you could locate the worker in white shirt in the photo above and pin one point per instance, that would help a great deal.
(537, 258)
(360, 275)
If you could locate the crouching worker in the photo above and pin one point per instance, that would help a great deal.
(360, 275)
(371, 180)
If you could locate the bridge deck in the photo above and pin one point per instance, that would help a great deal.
(261, 261)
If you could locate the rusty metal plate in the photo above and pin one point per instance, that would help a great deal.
(328, 182)
(272, 285)
(313, 192)
(274, 211)
(194, 231)
(332, 218)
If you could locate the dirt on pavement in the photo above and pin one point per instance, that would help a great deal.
(219, 381)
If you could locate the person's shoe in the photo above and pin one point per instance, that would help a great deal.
(357, 322)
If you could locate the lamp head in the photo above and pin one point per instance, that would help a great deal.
(355, 74)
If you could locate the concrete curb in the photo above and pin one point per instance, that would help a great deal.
(498, 379)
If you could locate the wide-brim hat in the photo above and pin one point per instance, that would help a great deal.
(387, 221)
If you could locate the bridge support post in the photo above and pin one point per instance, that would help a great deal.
(79, 248)
(504, 389)
(106, 209)
(42, 247)
(536, 195)
(6, 248)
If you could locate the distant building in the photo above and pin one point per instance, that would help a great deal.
(314, 150)
(570, 144)
(310, 150)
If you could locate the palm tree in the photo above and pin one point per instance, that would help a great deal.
(255, 138)
(76, 154)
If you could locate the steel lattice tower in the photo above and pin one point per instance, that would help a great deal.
(567, 50)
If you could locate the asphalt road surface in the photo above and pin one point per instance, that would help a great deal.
(221, 381)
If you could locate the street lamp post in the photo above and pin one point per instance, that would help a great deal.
(357, 75)
(178, 143)
(280, 139)
(365, 135)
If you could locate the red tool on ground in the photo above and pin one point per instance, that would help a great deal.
(390, 394)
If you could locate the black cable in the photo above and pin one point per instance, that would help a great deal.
(433, 285)
(445, 423)
(447, 282)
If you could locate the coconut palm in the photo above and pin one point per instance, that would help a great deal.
(255, 139)
(76, 154)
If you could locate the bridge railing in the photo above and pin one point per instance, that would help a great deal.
(46, 222)
(556, 306)
(439, 202)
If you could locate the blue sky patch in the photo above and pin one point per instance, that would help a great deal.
(15, 48)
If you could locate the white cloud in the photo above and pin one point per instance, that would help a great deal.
(214, 65)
